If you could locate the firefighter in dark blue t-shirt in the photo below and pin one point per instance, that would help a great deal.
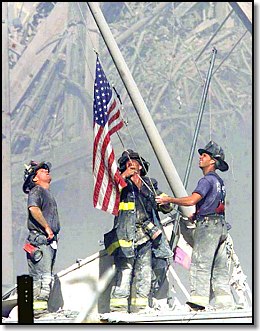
(44, 226)
(209, 276)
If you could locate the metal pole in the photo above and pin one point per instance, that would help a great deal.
(244, 12)
(174, 236)
(7, 236)
(153, 135)
(202, 106)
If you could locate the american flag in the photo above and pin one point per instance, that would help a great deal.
(107, 120)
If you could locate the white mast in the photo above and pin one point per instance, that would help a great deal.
(153, 135)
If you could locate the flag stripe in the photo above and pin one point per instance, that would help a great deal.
(109, 188)
(112, 106)
(113, 119)
(107, 121)
(101, 166)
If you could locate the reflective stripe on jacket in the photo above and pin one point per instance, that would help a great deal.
(121, 239)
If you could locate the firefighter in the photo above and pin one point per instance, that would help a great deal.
(209, 274)
(137, 238)
(43, 225)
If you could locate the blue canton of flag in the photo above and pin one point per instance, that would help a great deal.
(102, 96)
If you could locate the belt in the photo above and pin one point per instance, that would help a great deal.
(55, 238)
(209, 217)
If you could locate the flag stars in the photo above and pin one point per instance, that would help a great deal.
(102, 97)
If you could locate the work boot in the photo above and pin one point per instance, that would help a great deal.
(120, 309)
(146, 310)
(40, 313)
(161, 304)
(195, 306)
(221, 306)
(40, 308)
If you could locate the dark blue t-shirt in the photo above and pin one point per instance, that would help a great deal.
(212, 190)
(42, 198)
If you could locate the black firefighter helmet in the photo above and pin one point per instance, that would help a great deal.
(30, 172)
(217, 153)
(130, 154)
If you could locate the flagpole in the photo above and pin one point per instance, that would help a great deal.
(154, 137)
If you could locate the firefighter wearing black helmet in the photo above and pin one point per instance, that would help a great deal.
(137, 238)
(44, 226)
(209, 275)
